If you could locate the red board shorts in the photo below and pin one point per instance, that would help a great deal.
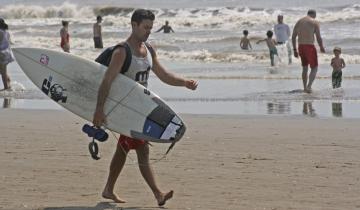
(308, 55)
(128, 143)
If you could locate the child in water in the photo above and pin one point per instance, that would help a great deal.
(270, 42)
(245, 42)
(337, 64)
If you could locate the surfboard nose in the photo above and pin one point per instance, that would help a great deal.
(20, 51)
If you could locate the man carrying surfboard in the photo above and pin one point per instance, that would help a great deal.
(143, 59)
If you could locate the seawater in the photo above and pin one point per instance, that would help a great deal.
(205, 46)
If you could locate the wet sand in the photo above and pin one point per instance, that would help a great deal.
(223, 162)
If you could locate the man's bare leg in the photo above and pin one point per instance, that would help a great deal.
(147, 173)
(311, 78)
(305, 77)
(116, 165)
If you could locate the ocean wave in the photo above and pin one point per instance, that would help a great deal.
(110, 10)
(66, 10)
(207, 56)
(249, 57)
(208, 39)
(83, 45)
(211, 17)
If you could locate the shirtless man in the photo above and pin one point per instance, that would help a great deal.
(97, 33)
(305, 29)
(167, 29)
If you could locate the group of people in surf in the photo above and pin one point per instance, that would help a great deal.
(303, 37)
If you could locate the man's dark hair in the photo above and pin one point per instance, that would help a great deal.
(98, 17)
(311, 12)
(245, 32)
(142, 14)
(269, 34)
(64, 22)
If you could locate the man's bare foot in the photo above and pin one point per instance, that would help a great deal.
(307, 90)
(164, 197)
(8, 89)
(113, 197)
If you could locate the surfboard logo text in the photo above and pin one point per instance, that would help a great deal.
(57, 92)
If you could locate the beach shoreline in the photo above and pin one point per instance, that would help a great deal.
(223, 162)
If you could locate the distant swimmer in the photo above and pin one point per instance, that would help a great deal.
(282, 34)
(65, 36)
(6, 56)
(167, 29)
(98, 43)
(270, 42)
(245, 42)
(337, 64)
(304, 30)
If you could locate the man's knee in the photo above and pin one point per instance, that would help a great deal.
(143, 153)
(305, 69)
(314, 70)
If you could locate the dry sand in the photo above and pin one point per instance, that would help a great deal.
(223, 162)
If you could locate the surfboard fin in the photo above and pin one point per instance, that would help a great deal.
(171, 146)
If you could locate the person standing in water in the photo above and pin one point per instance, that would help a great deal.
(282, 35)
(98, 43)
(65, 36)
(6, 56)
(304, 30)
(245, 42)
(337, 64)
(271, 44)
(167, 29)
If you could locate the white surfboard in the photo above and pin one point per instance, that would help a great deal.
(73, 82)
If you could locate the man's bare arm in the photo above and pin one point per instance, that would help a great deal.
(117, 60)
(318, 37)
(293, 39)
(170, 78)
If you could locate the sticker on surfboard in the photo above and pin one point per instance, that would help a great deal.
(57, 92)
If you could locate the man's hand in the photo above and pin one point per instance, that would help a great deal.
(322, 49)
(296, 54)
(99, 118)
(191, 84)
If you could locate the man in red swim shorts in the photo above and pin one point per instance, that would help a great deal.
(304, 29)
(143, 60)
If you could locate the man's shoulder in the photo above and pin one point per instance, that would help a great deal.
(119, 48)
(311, 20)
(304, 19)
